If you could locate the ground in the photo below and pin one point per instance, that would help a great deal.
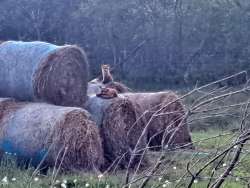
(17, 178)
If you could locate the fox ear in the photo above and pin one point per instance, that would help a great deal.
(107, 65)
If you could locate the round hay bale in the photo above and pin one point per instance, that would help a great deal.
(58, 135)
(115, 118)
(170, 115)
(94, 87)
(39, 71)
(119, 87)
(4, 104)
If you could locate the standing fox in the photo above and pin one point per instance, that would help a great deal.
(106, 75)
(107, 80)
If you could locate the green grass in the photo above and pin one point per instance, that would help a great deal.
(226, 185)
(174, 166)
(211, 139)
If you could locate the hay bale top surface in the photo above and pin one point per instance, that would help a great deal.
(94, 87)
(149, 100)
(32, 52)
(36, 113)
(6, 100)
(149, 94)
(46, 111)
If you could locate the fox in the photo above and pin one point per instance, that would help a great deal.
(106, 75)
(107, 80)
(107, 93)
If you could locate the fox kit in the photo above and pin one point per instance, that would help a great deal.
(106, 75)
(107, 93)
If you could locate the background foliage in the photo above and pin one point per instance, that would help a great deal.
(151, 44)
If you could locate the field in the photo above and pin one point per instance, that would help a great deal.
(210, 136)
(124, 94)
(20, 178)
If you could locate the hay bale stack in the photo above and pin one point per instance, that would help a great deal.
(167, 119)
(95, 87)
(39, 71)
(119, 87)
(116, 119)
(59, 134)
